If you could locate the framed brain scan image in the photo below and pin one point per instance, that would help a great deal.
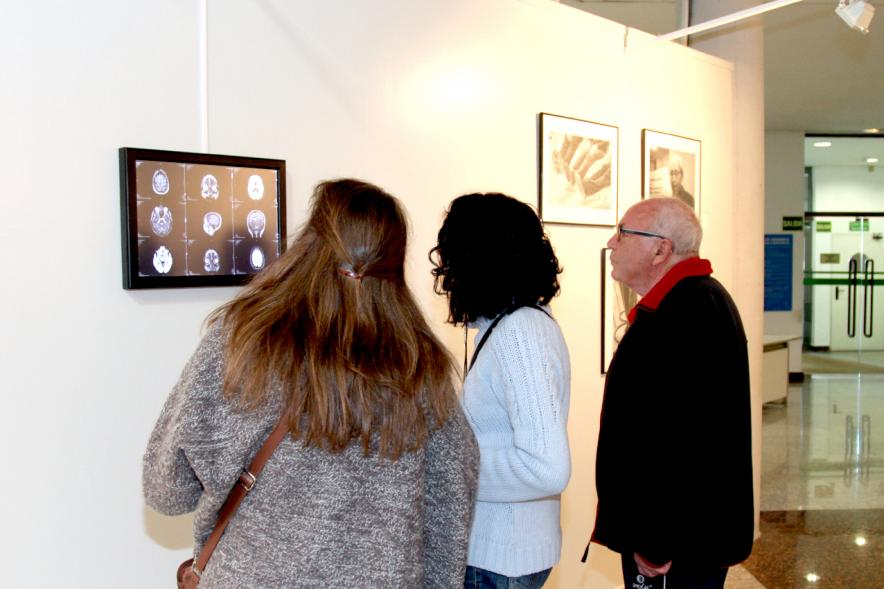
(196, 219)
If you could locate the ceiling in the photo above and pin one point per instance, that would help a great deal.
(820, 76)
(844, 151)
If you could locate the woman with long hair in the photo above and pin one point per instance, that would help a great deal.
(374, 486)
(499, 272)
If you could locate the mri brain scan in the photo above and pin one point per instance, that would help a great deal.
(256, 187)
(161, 221)
(256, 258)
(209, 187)
(162, 260)
(211, 222)
(160, 182)
(211, 261)
(256, 222)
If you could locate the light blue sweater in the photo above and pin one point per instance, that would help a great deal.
(516, 400)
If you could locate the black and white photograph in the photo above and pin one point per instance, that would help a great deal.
(617, 299)
(671, 167)
(191, 219)
(578, 171)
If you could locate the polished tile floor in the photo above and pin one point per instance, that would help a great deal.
(822, 520)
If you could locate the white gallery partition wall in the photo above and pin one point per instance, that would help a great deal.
(428, 99)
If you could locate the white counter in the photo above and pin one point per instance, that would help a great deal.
(776, 366)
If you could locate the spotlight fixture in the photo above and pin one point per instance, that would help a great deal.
(856, 13)
(871, 160)
(872, 130)
(822, 144)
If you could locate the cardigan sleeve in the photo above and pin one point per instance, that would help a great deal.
(170, 483)
(452, 463)
(534, 375)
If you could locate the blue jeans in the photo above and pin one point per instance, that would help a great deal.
(477, 578)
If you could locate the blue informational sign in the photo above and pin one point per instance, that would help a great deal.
(777, 272)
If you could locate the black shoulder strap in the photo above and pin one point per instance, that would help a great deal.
(484, 339)
(491, 328)
(542, 310)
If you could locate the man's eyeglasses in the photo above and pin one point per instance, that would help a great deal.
(621, 232)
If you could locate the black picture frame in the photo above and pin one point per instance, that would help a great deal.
(659, 153)
(197, 219)
(616, 301)
(578, 171)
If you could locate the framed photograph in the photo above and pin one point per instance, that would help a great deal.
(617, 299)
(196, 219)
(671, 167)
(578, 171)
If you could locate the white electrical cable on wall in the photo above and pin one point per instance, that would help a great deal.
(727, 19)
(204, 75)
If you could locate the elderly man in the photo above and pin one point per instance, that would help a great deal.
(674, 462)
(676, 180)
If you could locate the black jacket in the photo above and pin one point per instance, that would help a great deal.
(674, 462)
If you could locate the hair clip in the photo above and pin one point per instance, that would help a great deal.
(350, 274)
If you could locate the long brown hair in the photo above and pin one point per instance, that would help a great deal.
(333, 325)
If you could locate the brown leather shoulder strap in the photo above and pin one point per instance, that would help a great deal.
(239, 491)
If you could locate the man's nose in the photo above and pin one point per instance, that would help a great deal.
(612, 241)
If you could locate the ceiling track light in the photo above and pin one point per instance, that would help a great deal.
(856, 13)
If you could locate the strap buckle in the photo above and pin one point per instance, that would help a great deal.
(247, 480)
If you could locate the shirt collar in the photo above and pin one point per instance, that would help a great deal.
(684, 269)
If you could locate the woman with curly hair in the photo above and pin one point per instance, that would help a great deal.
(374, 484)
(499, 272)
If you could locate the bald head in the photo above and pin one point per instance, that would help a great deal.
(671, 217)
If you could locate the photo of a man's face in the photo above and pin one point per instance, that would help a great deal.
(671, 167)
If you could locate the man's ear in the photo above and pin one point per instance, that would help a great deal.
(663, 252)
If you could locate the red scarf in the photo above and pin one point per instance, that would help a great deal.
(684, 269)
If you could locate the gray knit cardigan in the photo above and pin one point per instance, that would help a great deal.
(314, 519)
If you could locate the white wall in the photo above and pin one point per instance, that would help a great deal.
(784, 187)
(427, 99)
(848, 188)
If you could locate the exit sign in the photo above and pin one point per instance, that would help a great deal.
(859, 225)
(793, 223)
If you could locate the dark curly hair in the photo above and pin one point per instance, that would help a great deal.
(492, 256)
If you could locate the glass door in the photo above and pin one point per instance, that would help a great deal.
(844, 274)
(843, 401)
